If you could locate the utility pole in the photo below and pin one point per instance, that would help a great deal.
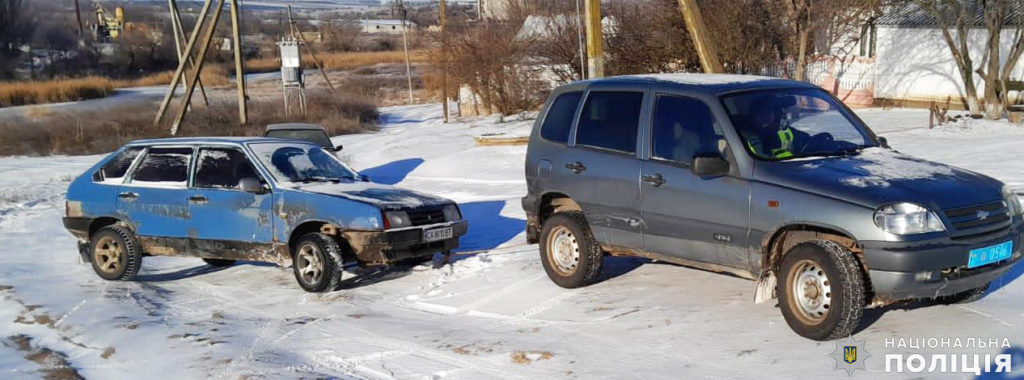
(444, 61)
(595, 40)
(405, 46)
(579, 35)
(191, 87)
(243, 114)
(178, 73)
(179, 38)
(78, 14)
(706, 50)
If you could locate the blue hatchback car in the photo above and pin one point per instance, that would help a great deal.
(258, 199)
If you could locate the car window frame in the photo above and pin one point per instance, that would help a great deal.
(654, 113)
(645, 93)
(130, 179)
(127, 172)
(194, 166)
(572, 121)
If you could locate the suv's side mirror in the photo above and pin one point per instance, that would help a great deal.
(884, 142)
(710, 166)
(251, 185)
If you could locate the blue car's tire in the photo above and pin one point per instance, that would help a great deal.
(115, 254)
(316, 262)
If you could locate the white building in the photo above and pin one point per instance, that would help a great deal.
(384, 26)
(913, 62)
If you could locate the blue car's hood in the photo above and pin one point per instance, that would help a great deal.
(879, 176)
(384, 196)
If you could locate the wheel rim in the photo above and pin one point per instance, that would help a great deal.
(564, 250)
(812, 291)
(107, 255)
(308, 264)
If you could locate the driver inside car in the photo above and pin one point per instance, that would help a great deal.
(769, 135)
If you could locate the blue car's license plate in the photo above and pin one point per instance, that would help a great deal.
(991, 254)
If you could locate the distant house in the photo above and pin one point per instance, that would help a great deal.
(913, 63)
(384, 26)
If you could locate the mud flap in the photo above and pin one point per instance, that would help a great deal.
(765, 287)
(83, 253)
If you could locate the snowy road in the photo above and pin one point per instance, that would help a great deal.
(492, 314)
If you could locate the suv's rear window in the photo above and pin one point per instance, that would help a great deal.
(317, 137)
(558, 121)
(610, 120)
(163, 166)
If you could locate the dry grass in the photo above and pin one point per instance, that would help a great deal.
(52, 91)
(69, 90)
(339, 60)
(103, 131)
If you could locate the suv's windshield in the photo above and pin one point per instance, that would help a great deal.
(782, 124)
(301, 163)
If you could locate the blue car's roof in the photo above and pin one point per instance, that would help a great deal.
(708, 83)
(237, 140)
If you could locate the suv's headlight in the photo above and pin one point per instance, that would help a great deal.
(907, 219)
(1012, 202)
(451, 212)
(397, 219)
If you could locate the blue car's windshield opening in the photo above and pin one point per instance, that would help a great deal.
(781, 124)
(301, 162)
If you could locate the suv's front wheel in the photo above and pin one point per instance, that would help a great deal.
(821, 290)
(568, 251)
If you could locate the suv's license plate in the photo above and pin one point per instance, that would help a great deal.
(437, 234)
(989, 255)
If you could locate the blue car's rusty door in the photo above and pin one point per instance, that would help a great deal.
(220, 210)
(154, 197)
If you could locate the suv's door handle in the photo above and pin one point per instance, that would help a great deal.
(128, 195)
(654, 179)
(197, 199)
(575, 167)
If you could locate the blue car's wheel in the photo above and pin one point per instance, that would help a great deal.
(316, 261)
(115, 254)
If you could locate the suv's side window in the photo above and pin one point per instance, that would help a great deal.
(558, 121)
(114, 171)
(610, 120)
(683, 128)
(222, 168)
(163, 166)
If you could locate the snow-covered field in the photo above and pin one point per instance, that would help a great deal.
(492, 314)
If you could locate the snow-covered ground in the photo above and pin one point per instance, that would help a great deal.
(492, 314)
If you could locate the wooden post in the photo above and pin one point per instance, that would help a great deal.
(706, 50)
(595, 39)
(199, 67)
(405, 46)
(444, 61)
(78, 15)
(243, 114)
(176, 78)
(179, 38)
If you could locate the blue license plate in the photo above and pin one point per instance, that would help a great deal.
(989, 255)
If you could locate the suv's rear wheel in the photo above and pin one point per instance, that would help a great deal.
(317, 262)
(821, 290)
(568, 251)
(115, 253)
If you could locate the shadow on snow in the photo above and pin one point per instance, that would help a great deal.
(393, 172)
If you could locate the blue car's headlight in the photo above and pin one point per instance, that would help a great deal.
(396, 219)
(907, 219)
(1012, 202)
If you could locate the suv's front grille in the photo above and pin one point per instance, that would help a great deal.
(424, 217)
(979, 218)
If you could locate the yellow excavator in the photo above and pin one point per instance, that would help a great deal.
(108, 26)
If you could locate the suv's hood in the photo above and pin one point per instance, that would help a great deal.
(384, 196)
(879, 176)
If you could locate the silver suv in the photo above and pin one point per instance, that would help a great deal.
(772, 180)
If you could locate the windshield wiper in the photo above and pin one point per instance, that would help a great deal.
(317, 178)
